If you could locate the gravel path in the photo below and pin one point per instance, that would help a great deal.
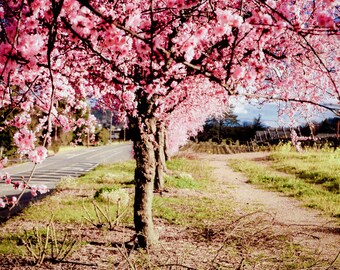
(308, 226)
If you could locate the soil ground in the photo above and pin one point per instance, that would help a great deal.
(263, 223)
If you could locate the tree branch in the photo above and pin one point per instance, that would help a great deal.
(336, 111)
(110, 21)
(198, 70)
(89, 45)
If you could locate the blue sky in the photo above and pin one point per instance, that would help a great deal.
(269, 114)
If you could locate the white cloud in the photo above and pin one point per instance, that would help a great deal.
(240, 106)
(240, 109)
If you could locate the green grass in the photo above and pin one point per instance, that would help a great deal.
(69, 207)
(320, 168)
(186, 173)
(191, 212)
(107, 175)
(69, 201)
(11, 244)
(312, 177)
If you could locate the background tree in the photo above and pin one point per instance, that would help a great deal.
(256, 125)
(7, 145)
(143, 57)
(103, 136)
(216, 128)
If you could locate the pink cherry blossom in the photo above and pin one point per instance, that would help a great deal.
(3, 162)
(171, 3)
(34, 191)
(17, 185)
(21, 121)
(201, 33)
(189, 54)
(13, 200)
(238, 73)
(24, 139)
(2, 13)
(325, 20)
(220, 30)
(42, 189)
(8, 179)
(38, 155)
(2, 203)
(266, 19)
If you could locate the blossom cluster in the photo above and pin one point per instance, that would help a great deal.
(3, 162)
(20, 185)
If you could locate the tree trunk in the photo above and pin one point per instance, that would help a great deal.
(166, 147)
(160, 158)
(143, 137)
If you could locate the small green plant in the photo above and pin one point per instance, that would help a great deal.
(113, 195)
(107, 178)
(180, 180)
(67, 182)
(48, 244)
(284, 148)
(191, 212)
(186, 173)
(116, 174)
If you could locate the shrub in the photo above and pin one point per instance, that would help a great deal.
(112, 195)
(103, 136)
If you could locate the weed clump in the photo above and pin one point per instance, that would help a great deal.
(113, 195)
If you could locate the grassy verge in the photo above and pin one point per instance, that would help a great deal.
(74, 205)
(199, 226)
(184, 173)
(312, 176)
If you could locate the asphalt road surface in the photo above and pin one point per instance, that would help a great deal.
(72, 163)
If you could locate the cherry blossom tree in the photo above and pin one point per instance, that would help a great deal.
(156, 61)
(183, 118)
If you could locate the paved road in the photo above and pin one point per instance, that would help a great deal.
(73, 163)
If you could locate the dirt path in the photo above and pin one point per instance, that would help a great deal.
(308, 226)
